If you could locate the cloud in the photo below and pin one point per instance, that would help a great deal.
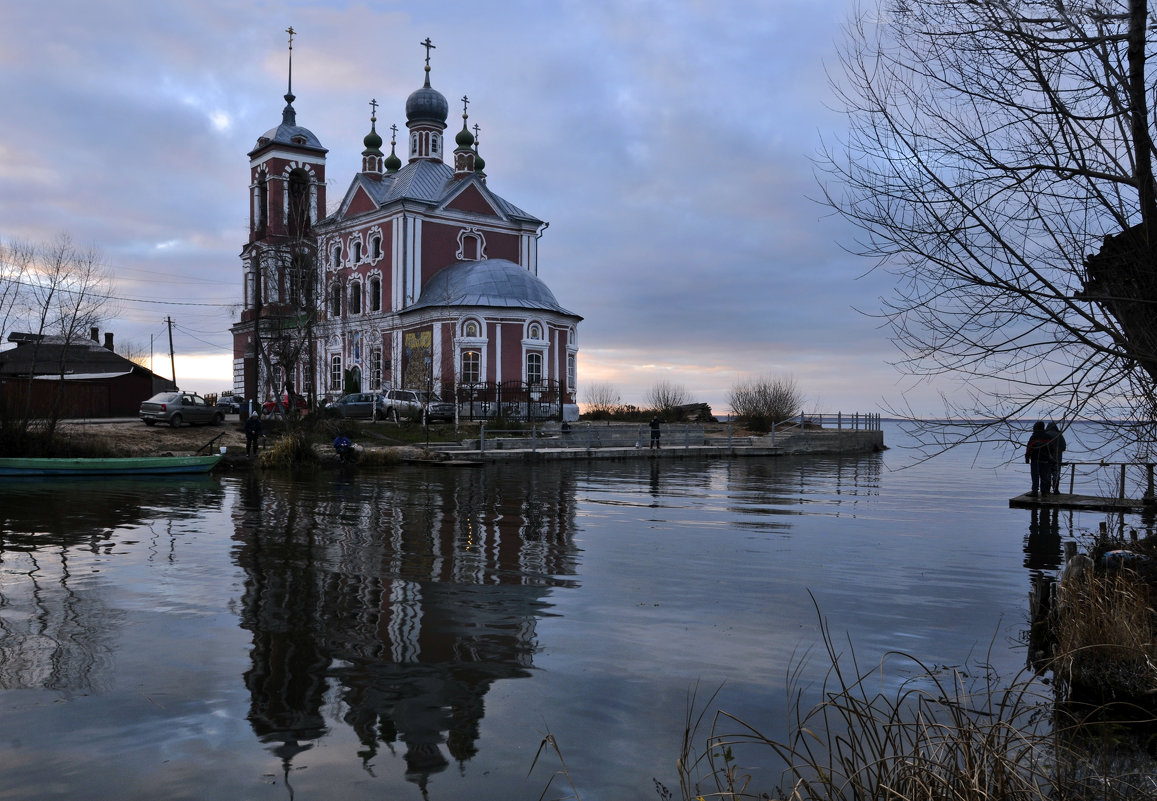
(668, 144)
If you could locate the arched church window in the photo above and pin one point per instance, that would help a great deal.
(298, 220)
(570, 372)
(357, 252)
(376, 244)
(355, 298)
(376, 368)
(335, 372)
(375, 295)
(335, 300)
(534, 368)
(337, 256)
(471, 367)
(261, 213)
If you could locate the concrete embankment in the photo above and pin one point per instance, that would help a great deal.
(683, 444)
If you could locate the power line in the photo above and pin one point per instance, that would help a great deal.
(106, 296)
(185, 331)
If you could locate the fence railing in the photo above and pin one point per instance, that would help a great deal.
(588, 436)
(1118, 476)
(855, 421)
(671, 435)
(510, 400)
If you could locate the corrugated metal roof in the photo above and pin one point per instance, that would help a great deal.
(429, 182)
(53, 357)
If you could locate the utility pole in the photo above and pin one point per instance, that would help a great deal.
(172, 359)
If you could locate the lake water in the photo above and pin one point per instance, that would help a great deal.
(414, 633)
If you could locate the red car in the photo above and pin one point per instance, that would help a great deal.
(298, 403)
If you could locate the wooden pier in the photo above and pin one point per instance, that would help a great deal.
(1096, 503)
(1092, 503)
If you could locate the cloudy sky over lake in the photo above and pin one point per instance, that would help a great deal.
(670, 144)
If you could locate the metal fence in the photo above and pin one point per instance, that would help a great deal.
(509, 400)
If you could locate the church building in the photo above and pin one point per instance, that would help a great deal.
(420, 278)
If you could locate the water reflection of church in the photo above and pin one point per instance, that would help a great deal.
(403, 600)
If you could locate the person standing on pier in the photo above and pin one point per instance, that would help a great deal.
(1057, 447)
(1039, 460)
(655, 431)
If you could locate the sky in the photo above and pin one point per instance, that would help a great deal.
(670, 144)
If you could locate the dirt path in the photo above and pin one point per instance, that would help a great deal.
(134, 438)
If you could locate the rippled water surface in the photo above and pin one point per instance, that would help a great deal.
(414, 633)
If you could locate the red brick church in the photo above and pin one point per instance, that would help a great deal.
(420, 278)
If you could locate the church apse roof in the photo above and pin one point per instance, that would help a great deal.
(495, 283)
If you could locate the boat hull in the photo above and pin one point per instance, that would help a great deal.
(127, 466)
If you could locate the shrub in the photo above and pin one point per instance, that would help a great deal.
(762, 402)
(665, 398)
(292, 449)
(601, 400)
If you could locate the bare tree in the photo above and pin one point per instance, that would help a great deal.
(15, 265)
(601, 398)
(762, 402)
(664, 396)
(999, 162)
(58, 293)
(135, 353)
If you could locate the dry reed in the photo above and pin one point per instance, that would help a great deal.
(943, 735)
(1106, 635)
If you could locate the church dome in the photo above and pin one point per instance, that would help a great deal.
(427, 105)
(289, 132)
(373, 140)
(488, 282)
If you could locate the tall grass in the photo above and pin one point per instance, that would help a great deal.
(294, 448)
(943, 735)
(1106, 636)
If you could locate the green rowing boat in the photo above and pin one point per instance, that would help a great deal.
(121, 466)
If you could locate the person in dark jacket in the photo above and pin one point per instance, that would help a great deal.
(1057, 447)
(253, 431)
(655, 431)
(1039, 460)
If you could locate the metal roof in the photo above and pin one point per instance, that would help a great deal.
(429, 182)
(495, 283)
